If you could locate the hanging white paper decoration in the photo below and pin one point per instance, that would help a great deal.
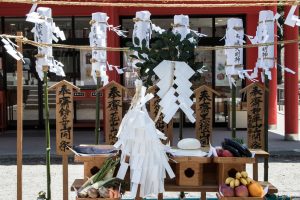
(45, 31)
(234, 56)
(139, 139)
(181, 26)
(142, 31)
(98, 39)
(291, 19)
(264, 34)
(175, 88)
(11, 48)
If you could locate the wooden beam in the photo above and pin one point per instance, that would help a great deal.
(19, 120)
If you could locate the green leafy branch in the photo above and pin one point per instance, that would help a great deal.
(165, 46)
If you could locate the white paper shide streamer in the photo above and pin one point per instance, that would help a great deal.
(139, 140)
(45, 31)
(98, 38)
(11, 48)
(292, 19)
(264, 34)
(142, 31)
(234, 56)
(175, 88)
(182, 26)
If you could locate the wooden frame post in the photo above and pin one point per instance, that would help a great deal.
(19, 120)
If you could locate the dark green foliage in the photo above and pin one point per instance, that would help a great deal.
(165, 46)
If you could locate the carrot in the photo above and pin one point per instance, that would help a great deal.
(116, 194)
(111, 193)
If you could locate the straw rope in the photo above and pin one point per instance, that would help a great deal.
(116, 49)
(151, 5)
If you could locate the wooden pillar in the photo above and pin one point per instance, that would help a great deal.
(273, 84)
(113, 40)
(19, 120)
(251, 53)
(291, 80)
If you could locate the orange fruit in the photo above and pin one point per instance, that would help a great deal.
(255, 189)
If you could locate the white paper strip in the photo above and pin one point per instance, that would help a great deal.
(139, 139)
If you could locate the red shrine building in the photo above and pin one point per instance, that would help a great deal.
(74, 21)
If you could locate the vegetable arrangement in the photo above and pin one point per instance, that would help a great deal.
(232, 148)
(103, 184)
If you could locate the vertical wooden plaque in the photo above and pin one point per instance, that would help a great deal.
(167, 129)
(64, 116)
(204, 117)
(255, 113)
(113, 110)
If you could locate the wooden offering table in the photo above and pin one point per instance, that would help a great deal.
(193, 174)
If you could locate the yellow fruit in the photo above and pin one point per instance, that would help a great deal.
(249, 180)
(238, 175)
(244, 174)
(236, 182)
(255, 189)
(232, 183)
(243, 181)
(228, 180)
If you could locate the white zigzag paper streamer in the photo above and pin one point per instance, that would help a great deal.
(175, 88)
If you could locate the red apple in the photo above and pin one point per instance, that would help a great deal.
(226, 190)
(227, 153)
(220, 152)
(241, 191)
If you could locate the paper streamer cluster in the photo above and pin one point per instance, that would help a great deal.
(45, 31)
(175, 88)
(264, 34)
(234, 56)
(98, 38)
(139, 140)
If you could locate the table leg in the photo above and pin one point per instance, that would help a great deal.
(255, 170)
(160, 196)
(203, 195)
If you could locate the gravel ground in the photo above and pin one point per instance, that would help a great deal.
(283, 173)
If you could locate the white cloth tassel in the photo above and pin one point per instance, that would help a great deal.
(138, 139)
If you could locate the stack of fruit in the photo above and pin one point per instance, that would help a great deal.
(241, 186)
(231, 148)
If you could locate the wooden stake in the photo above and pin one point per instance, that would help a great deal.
(19, 120)
(65, 176)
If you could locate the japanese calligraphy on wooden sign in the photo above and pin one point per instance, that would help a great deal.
(113, 110)
(255, 114)
(167, 129)
(64, 116)
(204, 118)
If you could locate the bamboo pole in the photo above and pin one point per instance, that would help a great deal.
(65, 176)
(233, 111)
(47, 131)
(19, 120)
(97, 125)
(266, 119)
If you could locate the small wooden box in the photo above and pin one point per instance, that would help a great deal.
(189, 170)
(226, 164)
(92, 161)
